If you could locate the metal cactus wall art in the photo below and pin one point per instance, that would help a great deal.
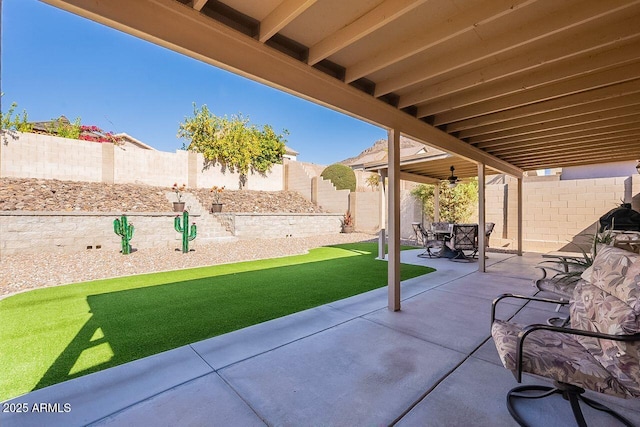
(188, 233)
(125, 231)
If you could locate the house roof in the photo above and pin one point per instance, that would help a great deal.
(514, 84)
(134, 141)
(290, 151)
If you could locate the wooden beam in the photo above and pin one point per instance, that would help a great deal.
(559, 90)
(393, 265)
(413, 177)
(546, 55)
(466, 20)
(173, 25)
(583, 143)
(575, 113)
(598, 127)
(559, 125)
(544, 79)
(198, 4)
(597, 95)
(560, 163)
(580, 13)
(616, 154)
(376, 18)
(279, 17)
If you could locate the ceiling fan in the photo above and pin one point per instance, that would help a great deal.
(453, 180)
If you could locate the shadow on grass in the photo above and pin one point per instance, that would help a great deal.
(130, 324)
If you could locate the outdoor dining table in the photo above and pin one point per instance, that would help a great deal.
(444, 235)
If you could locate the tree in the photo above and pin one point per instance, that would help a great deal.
(456, 204)
(341, 176)
(232, 142)
(373, 181)
(10, 123)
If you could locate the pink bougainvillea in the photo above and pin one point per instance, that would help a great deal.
(95, 134)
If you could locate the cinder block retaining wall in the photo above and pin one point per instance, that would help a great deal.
(263, 226)
(37, 232)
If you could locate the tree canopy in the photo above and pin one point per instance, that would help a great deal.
(341, 176)
(232, 141)
(456, 204)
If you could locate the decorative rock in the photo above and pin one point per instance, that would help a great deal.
(54, 195)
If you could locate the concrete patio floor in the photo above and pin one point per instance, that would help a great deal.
(348, 363)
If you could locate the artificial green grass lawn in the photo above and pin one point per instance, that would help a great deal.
(54, 334)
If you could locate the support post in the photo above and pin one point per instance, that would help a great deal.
(520, 215)
(383, 198)
(482, 264)
(436, 203)
(382, 241)
(393, 266)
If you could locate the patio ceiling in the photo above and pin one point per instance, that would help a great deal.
(515, 84)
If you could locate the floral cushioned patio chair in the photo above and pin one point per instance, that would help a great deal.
(600, 350)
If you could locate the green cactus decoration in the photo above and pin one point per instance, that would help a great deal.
(125, 231)
(188, 234)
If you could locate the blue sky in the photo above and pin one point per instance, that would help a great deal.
(56, 63)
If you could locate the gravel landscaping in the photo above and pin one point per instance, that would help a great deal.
(69, 196)
(31, 271)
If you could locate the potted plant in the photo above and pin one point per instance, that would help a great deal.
(179, 205)
(216, 206)
(347, 223)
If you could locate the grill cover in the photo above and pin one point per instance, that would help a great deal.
(621, 218)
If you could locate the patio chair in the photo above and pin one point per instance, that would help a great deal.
(429, 241)
(418, 230)
(488, 229)
(585, 355)
(464, 238)
(567, 271)
(629, 240)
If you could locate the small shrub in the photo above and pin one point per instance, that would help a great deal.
(341, 176)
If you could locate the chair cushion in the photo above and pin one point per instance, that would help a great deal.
(610, 304)
(554, 355)
(561, 287)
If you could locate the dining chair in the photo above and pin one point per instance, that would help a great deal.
(464, 238)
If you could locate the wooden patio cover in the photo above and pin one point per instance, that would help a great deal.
(511, 85)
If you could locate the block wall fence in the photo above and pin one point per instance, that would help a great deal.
(555, 212)
(50, 157)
